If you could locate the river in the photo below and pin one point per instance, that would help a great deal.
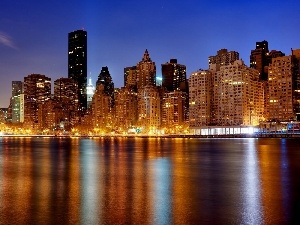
(149, 181)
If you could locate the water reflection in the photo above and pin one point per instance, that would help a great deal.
(90, 190)
(149, 181)
(252, 212)
(162, 191)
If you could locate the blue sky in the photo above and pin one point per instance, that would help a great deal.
(33, 34)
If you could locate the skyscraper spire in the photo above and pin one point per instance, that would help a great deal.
(146, 57)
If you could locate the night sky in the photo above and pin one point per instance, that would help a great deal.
(34, 33)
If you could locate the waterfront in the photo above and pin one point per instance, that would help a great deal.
(149, 181)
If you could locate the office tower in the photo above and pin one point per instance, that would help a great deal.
(126, 109)
(65, 95)
(105, 79)
(101, 109)
(200, 102)
(146, 72)
(37, 89)
(16, 102)
(174, 76)
(284, 88)
(174, 111)
(77, 64)
(130, 77)
(223, 58)
(90, 92)
(149, 109)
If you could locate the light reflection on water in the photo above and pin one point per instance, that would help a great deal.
(149, 181)
(252, 211)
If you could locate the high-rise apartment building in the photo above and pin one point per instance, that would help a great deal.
(149, 109)
(200, 98)
(174, 76)
(17, 101)
(126, 109)
(65, 95)
(174, 111)
(223, 58)
(77, 64)
(284, 88)
(101, 109)
(49, 117)
(261, 58)
(238, 95)
(37, 90)
(130, 77)
(146, 72)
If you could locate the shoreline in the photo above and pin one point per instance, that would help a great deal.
(187, 136)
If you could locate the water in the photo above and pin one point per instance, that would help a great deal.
(149, 181)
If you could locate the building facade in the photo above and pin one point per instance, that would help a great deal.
(66, 103)
(90, 90)
(238, 95)
(174, 113)
(17, 102)
(200, 98)
(146, 72)
(223, 58)
(126, 110)
(284, 88)
(37, 90)
(130, 77)
(101, 110)
(174, 76)
(105, 79)
(149, 109)
(77, 64)
(259, 60)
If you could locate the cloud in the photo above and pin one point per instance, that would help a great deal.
(6, 40)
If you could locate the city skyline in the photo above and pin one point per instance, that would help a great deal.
(33, 37)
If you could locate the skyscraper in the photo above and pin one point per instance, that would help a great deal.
(200, 97)
(101, 109)
(16, 102)
(258, 59)
(174, 76)
(284, 88)
(77, 64)
(130, 77)
(37, 90)
(146, 72)
(90, 92)
(66, 104)
(105, 79)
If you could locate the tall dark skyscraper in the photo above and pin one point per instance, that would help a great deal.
(77, 64)
(258, 59)
(174, 76)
